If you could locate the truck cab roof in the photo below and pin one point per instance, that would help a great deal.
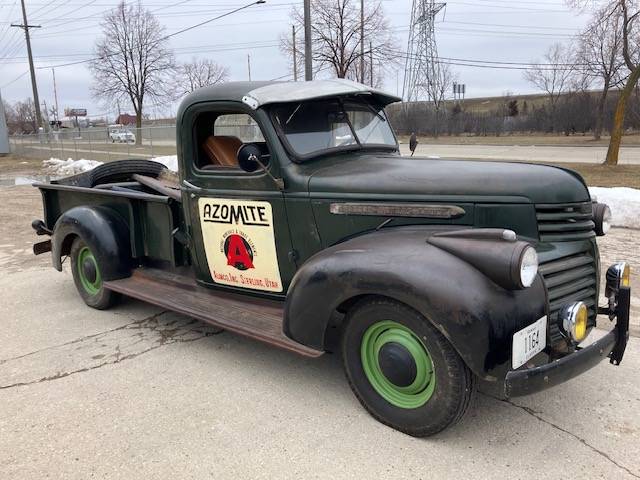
(258, 94)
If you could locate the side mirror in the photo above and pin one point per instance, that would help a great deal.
(251, 157)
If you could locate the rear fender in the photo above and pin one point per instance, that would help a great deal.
(104, 231)
(473, 312)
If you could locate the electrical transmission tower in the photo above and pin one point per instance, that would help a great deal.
(422, 69)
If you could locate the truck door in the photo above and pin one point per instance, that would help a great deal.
(237, 220)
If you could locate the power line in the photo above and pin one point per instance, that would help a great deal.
(34, 14)
(494, 65)
(88, 4)
(8, 27)
(179, 50)
(537, 27)
(15, 79)
(257, 2)
(508, 6)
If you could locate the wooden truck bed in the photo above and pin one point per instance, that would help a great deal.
(253, 317)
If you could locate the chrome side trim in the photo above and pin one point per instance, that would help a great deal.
(413, 210)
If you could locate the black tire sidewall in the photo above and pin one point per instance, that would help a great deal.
(443, 407)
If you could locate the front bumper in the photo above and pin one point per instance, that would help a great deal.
(612, 345)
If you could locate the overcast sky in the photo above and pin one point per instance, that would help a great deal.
(493, 30)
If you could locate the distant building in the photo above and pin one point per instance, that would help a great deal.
(126, 119)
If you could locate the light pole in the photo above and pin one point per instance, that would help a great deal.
(308, 73)
(25, 26)
(361, 41)
(295, 66)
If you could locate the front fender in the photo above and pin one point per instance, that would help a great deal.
(104, 231)
(475, 314)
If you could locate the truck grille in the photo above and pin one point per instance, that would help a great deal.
(561, 222)
(569, 279)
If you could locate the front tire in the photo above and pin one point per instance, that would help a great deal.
(402, 370)
(87, 277)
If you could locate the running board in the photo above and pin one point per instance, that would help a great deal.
(253, 317)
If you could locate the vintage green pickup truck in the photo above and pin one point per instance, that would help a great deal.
(294, 220)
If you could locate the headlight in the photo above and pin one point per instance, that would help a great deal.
(498, 254)
(602, 218)
(528, 266)
(618, 275)
(574, 321)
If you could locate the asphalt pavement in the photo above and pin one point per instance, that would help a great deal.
(136, 392)
(525, 153)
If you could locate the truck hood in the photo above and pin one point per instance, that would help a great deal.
(421, 178)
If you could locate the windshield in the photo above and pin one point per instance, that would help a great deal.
(314, 127)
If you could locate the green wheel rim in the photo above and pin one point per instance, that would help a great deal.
(421, 389)
(91, 287)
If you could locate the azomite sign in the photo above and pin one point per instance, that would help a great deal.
(239, 243)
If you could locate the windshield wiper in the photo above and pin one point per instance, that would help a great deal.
(293, 113)
(375, 112)
(346, 117)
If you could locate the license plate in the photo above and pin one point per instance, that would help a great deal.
(528, 342)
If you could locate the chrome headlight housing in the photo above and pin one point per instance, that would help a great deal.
(601, 216)
(574, 319)
(528, 266)
(618, 275)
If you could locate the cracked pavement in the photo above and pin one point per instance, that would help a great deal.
(136, 392)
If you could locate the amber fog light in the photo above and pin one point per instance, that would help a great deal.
(574, 321)
(618, 275)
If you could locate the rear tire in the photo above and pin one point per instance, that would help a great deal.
(403, 371)
(87, 277)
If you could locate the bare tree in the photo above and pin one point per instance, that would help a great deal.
(553, 76)
(600, 58)
(335, 35)
(629, 10)
(627, 13)
(134, 60)
(21, 117)
(438, 90)
(200, 73)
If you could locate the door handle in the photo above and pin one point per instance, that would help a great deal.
(190, 186)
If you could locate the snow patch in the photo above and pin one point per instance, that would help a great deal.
(624, 203)
(169, 161)
(61, 168)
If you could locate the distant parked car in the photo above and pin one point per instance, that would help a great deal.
(119, 134)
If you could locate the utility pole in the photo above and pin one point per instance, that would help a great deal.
(361, 41)
(46, 112)
(249, 65)
(295, 64)
(308, 73)
(25, 26)
(370, 63)
(5, 147)
(55, 94)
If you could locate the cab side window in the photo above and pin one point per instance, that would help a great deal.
(219, 137)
